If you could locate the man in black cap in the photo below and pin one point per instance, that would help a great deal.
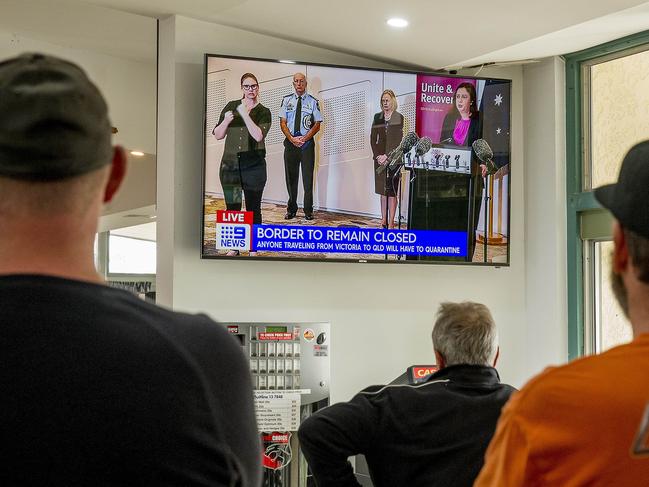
(587, 423)
(98, 387)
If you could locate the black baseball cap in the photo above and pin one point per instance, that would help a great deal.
(628, 199)
(53, 120)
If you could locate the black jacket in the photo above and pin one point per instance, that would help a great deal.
(432, 434)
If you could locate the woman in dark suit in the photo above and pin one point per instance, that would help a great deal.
(462, 123)
(388, 128)
(244, 123)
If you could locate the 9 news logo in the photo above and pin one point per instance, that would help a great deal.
(233, 230)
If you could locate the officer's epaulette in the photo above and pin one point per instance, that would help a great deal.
(286, 96)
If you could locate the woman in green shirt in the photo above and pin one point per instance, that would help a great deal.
(244, 124)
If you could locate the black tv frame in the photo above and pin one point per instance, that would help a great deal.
(206, 56)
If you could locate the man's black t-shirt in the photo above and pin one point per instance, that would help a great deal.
(101, 388)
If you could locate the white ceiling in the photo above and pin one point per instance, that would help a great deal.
(146, 231)
(441, 34)
(66, 23)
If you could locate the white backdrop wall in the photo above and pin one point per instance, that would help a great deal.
(380, 315)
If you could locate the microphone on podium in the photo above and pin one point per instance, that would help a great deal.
(407, 143)
(396, 155)
(423, 145)
(485, 154)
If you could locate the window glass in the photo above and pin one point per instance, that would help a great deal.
(619, 117)
(611, 325)
(127, 255)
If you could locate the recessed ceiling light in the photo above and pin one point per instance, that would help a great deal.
(137, 153)
(286, 61)
(397, 22)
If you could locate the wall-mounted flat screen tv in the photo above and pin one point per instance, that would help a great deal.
(306, 161)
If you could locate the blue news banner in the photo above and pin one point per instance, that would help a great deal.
(283, 238)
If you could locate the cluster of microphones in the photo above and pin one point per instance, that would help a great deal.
(424, 144)
(396, 156)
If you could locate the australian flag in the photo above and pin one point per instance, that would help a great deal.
(495, 106)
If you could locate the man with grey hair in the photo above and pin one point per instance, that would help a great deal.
(431, 434)
(465, 333)
(98, 387)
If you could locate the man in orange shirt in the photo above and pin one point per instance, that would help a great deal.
(587, 423)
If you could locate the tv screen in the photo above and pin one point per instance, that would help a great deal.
(316, 162)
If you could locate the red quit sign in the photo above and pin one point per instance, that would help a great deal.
(241, 217)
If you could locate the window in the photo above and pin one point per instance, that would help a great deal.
(132, 250)
(607, 92)
(128, 255)
(610, 324)
(618, 112)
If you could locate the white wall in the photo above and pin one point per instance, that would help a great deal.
(381, 315)
(545, 213)
(128, 85)
(139, 187)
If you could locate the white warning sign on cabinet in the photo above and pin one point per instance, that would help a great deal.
(277, 410)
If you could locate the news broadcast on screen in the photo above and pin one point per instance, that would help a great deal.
(315, 162)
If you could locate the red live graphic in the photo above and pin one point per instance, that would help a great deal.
(234, 230)
(241, 217)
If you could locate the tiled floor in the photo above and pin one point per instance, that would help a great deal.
(274, 214)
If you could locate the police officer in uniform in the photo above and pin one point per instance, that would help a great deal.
(300, 119)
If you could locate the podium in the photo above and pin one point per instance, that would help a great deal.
(442, 195)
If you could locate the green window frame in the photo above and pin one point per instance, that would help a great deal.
(586, 220)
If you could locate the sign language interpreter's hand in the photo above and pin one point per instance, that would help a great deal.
(228, 117)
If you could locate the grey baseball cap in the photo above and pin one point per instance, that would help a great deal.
(53, 120)
(628, 199)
